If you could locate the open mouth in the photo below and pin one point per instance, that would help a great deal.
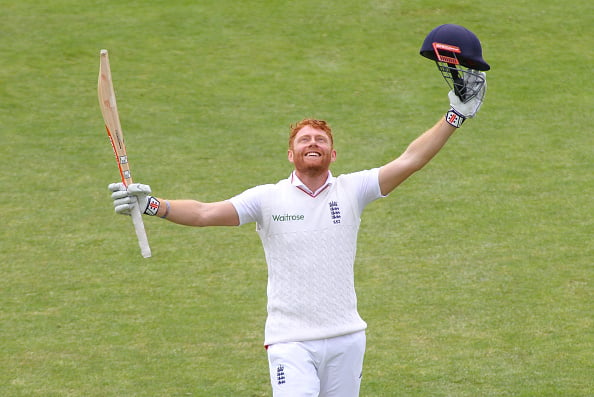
(312, 154)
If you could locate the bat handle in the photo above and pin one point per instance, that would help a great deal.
(145, 249)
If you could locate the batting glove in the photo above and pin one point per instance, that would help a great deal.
(136, 194)
(459, 110)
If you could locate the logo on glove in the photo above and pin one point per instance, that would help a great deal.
(152, 207)
(454, 118)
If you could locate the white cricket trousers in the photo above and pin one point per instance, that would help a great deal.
(318, 368)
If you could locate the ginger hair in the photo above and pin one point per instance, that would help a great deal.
(317, 124)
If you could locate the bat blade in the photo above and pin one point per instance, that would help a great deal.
(109, 110)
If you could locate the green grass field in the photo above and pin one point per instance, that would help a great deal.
(475, 276)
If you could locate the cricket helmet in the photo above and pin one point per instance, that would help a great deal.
(456, 43)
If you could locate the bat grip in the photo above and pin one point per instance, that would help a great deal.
(145, 249)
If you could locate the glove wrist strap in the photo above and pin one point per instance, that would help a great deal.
(454, 118)
(152, 206)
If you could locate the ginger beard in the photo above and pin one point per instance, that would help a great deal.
(311, 152)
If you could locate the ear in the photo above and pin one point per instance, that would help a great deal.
(333, 156)
(290, 155)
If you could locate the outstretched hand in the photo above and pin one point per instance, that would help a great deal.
(125, 199)
(475, 82)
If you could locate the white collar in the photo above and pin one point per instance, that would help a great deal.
(295, 181)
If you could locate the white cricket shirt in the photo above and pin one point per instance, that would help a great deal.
(310, 241)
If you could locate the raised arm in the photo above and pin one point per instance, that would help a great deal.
(195, 213)
(183, 212)
(418, 153)
(426, 146)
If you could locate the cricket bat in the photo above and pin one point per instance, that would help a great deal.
(109, 109)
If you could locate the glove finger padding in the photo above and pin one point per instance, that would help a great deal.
(476, 82)
(114, 187)
(123, 202)
(119, 194)
(123, 208)
(127, 200)
(136, 194)
(138, 189)
(141, 193)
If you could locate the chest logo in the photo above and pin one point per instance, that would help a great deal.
(334, 212)
(288, 218)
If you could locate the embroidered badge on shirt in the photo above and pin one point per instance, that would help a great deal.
(280, 374)
(334, 212)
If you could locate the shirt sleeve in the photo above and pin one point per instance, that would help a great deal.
(249, 203)
(366, 184)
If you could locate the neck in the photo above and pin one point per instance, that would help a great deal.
(313, 180)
